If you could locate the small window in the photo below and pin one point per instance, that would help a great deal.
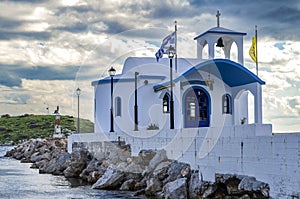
(118, 109)
(166, 103)
(227, 106)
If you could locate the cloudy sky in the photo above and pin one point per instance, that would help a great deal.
(48, 48)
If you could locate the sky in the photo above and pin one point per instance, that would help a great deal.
(48, 48)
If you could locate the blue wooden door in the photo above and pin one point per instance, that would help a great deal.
(196, 108)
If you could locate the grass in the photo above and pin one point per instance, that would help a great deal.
(16, 129)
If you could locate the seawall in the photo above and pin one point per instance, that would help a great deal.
(244, 149)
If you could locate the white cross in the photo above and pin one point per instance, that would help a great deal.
(218, 18)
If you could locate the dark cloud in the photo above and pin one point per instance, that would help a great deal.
(275, 19)
(12, 75)
(74, 28)
(7, 35)
(27, 1)
(9, 79)
(48, 73)
(6, 23)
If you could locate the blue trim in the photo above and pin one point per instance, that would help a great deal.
(152, 77)
(120, 79)
(220, 32)
(184, 103)
(191, 82)
(232, 73)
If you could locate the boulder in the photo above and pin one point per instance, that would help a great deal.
(128, 185)
(210, 190)
(161, 170)
(196, 187)
(176, 189)
(93, 171)
(133, 168)
(74, 169)
(60, 164)
(159, 157)
(153, 185)
(111, 179)
(253, 185)
(176, 170)
(80, 158)
(144, 157)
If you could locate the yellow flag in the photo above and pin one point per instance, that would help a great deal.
(252, 50)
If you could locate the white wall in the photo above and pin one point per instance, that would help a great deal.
(244, 149)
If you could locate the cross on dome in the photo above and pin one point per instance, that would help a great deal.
(218, 18)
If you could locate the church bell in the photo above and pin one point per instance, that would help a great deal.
(220, 43)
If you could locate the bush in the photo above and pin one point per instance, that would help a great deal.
(152, 127)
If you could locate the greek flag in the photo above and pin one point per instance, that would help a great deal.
(166, 43)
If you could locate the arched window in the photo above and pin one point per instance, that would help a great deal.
(118, 105)
(166, 103)
(227, 104)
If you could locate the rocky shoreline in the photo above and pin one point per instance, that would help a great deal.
(150, 173)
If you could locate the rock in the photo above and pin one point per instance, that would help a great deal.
(79, 160)
(161, 171)
(60, 164)
(117, 153)
(210, 190)
(128, 185)
(144, 157)
(35, 157)
(176, 189)
(140, 185)
(111, 179)
(195, 186)
(245, 196)
(153, 185)
(175, 170)
(121, 166)
(251, 184)
(133, 168)
(159, 157)
(74, 169)
(139, 192)
(93, 171)
(231, 183)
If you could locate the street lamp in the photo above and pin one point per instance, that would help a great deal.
(135, 103)
(111, 73)
(78, 91)
(171, 53)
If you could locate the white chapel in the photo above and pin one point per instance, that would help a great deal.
(205, 111)
(205, 92)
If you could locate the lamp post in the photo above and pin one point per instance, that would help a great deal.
(171, 53)
(78, 91)
(135, 103)
(111, 73)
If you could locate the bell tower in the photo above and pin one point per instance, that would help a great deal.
(219, 37)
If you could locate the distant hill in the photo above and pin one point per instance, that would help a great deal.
(16, 129)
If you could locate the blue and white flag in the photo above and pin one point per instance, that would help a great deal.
(166, 43)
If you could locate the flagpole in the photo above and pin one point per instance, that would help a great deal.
(256, 50)
(176, 46)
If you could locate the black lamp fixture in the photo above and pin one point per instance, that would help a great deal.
(220, 43)
(171, 54)
(112, 73)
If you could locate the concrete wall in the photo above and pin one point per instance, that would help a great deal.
(244, 149)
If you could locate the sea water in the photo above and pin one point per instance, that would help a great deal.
(18, 181)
